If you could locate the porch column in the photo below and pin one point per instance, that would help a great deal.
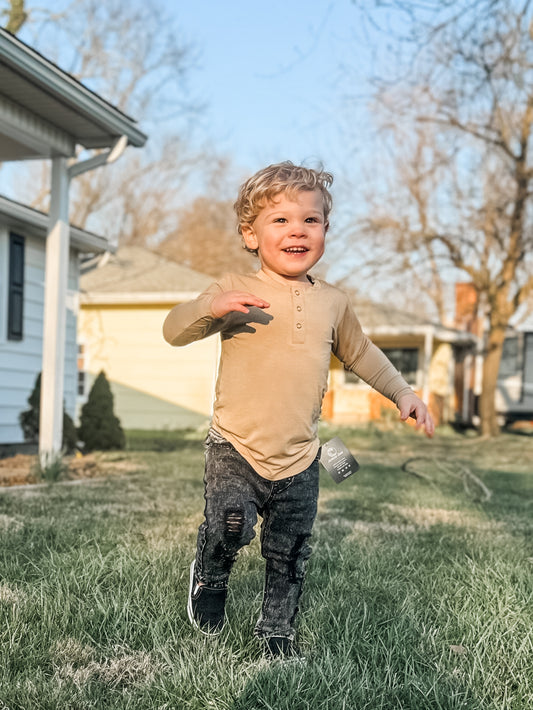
(55, 315)
(428, 352)
(468, 388)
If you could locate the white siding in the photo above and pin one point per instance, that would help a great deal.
(21, 361)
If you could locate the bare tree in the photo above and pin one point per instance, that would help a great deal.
(459, 130)
(133, 56)
(206, 239)
(204, 235)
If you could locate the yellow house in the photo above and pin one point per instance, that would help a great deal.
(124, 299)
(434, 360)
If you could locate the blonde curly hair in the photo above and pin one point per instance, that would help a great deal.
(273, 180)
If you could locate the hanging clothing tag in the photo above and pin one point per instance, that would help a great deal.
(337, 460)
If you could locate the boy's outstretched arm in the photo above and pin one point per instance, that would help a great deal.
(229, 301)
(411, 405)
(201, 317)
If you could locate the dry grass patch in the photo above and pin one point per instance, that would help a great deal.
(428, 517)
(8, 523)
(10, 595)
(76, 662)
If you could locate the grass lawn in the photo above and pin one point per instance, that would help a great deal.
(419, 593)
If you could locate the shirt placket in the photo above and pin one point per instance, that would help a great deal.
(298, 315)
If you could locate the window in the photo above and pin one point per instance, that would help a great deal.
(350, 378)
(15, 306)
(510, 364)
(404, 359)
(527, 377)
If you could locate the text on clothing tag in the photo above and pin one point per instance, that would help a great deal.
(337, 460)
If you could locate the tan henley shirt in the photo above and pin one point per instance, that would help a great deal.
(274, 365)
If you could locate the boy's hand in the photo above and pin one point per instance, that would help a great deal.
(235, 301)
(411, 405)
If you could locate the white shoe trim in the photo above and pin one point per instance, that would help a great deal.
(193, 587)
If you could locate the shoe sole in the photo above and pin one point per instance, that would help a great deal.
(190, 612)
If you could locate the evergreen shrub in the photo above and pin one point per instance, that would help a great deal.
(99, 427)
(29, 420)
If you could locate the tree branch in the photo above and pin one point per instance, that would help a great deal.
(17, 16)
(454, 122)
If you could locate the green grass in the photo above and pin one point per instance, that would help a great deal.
(419, 593)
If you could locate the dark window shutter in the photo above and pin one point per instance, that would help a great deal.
(16, 288)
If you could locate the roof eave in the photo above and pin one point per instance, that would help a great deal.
(447, 335)
(69, 90)
(19, 216)
(99, 298)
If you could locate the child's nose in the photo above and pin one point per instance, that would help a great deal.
(298, 229)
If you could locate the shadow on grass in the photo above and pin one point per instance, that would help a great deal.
(364, 652)
(319, 685)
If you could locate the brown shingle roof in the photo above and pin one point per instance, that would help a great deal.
(377, 319)
(372, 314)
(138, 270)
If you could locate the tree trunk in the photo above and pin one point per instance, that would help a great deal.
(491, 366)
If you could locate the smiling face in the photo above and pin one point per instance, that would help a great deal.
(289, 234)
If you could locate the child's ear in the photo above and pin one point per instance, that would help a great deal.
(326, 227)
(249, 237)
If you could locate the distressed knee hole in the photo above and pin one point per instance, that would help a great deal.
(234, 524)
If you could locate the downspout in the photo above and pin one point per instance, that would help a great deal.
(55, 294)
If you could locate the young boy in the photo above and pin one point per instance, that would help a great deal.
(278, 328)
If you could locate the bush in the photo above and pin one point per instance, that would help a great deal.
(29, 420)
(99, 427)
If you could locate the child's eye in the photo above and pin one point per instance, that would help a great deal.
(280, 219)
(312, 219)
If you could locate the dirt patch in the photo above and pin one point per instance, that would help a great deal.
(17, 470)
(23, 469)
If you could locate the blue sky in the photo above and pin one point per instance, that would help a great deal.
(273, 76)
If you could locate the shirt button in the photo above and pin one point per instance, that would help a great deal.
(298, 308)
(297, 292)
(298, 325)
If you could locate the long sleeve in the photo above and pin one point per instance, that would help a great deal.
(366, 360)
(192, 321)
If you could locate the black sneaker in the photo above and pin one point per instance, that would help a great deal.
(281, 647)
(205, 606)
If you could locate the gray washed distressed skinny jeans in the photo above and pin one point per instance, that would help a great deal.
(234, 495)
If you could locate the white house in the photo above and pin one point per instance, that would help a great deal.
(514, 395)
(46, 114)
(23, 234)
